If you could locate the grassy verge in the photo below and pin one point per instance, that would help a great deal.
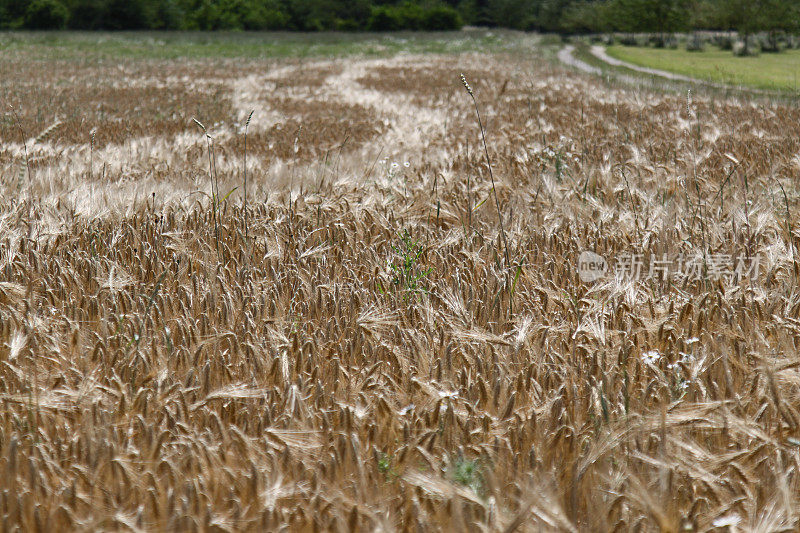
(173, 45)
(766, 71)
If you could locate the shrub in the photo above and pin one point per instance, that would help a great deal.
(724, 42)
(347, 25)
(740, 50)
(694, 44)
(410, 16)
(384, 18)
(46, 15)
(770, 43)
(265, 19)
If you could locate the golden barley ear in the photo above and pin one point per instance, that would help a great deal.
(466, 84)
(45, 134)
(200, 124)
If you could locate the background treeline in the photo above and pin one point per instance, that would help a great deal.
(563, 16)
(296, 15)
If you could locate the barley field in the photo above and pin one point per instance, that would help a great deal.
(370, 336)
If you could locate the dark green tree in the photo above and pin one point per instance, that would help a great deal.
(167, 15)
(86, 14)
(476, 12)
(12, 13)
(779, 17)
(550, 14)
(441, 18)
(517, 14)
(128, 15)
(744, 16)
(586, 17)
(384, 18)
(46, 15)
(654, 16)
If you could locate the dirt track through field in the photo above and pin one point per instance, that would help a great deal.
(600, 53)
